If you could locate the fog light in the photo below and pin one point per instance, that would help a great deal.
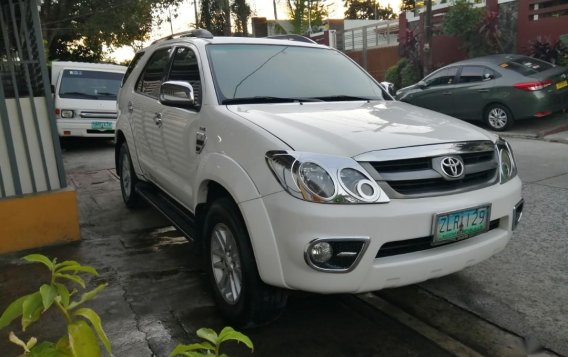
(65, 113)
(321, 252)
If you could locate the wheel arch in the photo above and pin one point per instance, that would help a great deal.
(221, 176)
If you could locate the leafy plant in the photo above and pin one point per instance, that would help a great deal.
(556, 53)
(83, 324)
(403, 74)
(212, 344)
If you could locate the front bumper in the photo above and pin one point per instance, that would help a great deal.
(83, 127)
(294, 223)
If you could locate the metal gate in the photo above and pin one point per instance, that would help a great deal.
(30, 155)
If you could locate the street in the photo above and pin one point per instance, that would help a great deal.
(512, 304)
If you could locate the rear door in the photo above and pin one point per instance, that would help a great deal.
(438, 92)
(146, 115)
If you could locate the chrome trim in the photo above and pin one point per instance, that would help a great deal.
(414, 152)
(366, 241)
(451, 167)
(98, 115)
(285, 165)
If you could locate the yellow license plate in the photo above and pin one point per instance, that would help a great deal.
(561, 85)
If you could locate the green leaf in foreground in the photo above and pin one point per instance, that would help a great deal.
(12, 312)
(95, 320)
(82, 340)
(228, 333)
(39, 258)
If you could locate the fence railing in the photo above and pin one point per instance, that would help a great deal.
(384, 34)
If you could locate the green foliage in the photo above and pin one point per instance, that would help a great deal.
(409, 75)
(215, 17)
(241, 14)
(408, 5)
(79, 30)
(476, 28)
(211, 346)
(367, 10)
(305, 13)
(403, 74)
(84, 327)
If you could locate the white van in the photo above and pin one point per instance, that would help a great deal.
(85, 97)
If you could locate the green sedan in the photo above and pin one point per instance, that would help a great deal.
(497, 89)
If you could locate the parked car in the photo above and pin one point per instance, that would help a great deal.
(296, 170)
(497, 89)
(84, 96)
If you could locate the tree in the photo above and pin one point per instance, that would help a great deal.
(307, 13)
(241, 14)
(463, 21)
(408, 5)
(81, 29)
(214, 17)
(367, 10)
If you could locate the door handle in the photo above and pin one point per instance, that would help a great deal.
(158, 119)
(130, 107)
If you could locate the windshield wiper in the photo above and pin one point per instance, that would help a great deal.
(81, 94)
(268, 99)
(341, 97)
(106, 94)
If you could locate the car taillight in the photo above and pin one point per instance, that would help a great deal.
(532, 86)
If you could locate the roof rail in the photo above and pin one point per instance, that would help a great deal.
(293, 37)
(199, 33)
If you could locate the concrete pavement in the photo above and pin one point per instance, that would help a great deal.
(553, 128)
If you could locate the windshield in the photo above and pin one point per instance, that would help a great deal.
(82, 84)
(274, 73)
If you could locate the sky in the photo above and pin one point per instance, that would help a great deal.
(262, 8)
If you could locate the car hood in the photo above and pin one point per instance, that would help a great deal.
(352, 128)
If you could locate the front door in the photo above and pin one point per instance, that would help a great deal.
(437, 95)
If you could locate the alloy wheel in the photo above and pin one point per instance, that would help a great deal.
(226, 263)
(497, 118)
(125, 176)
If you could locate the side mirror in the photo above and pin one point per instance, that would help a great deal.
(488, 76)
(177, 94)
(389, 87)
(421, 84)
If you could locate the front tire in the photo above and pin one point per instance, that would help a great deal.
(240, 295)
(128, 179)
(498, 117)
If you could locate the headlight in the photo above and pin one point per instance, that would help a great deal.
(324, 178)
(66, 113)
(508, 168)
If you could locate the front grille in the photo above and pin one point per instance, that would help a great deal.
(415, 245)
(416, 172)
(98, 115)
(93, 131)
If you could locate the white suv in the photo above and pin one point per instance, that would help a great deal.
(296, 170)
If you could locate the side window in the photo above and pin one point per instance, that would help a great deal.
(185, 68)
(131, 67)
(471, 74)
(151, 79)
(442, 77)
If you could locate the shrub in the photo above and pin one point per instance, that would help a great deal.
(409, 75)
(212, 344)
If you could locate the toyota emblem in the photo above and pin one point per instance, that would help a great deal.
(452, 167)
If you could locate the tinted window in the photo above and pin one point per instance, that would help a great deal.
(131, 66)
(442, 77)
(470, 74)
(249, 71)
(151, 79)
(82, 84)
(185, 68)
(527, 65)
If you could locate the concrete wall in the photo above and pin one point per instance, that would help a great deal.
(378, 60)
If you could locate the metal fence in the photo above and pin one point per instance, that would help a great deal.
(383, 34)
(30, 155)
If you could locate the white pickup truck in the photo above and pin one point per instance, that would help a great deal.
(84, 96)
(296, 170)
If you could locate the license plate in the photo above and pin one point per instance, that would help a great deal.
(458, 225)
(101, 125)
(561, 84)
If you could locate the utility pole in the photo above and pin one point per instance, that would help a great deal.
(427, 49)
(275, 12)
(196, 15)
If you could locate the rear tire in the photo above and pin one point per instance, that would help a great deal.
(498, 117)
(239, 293)
(128, 179)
